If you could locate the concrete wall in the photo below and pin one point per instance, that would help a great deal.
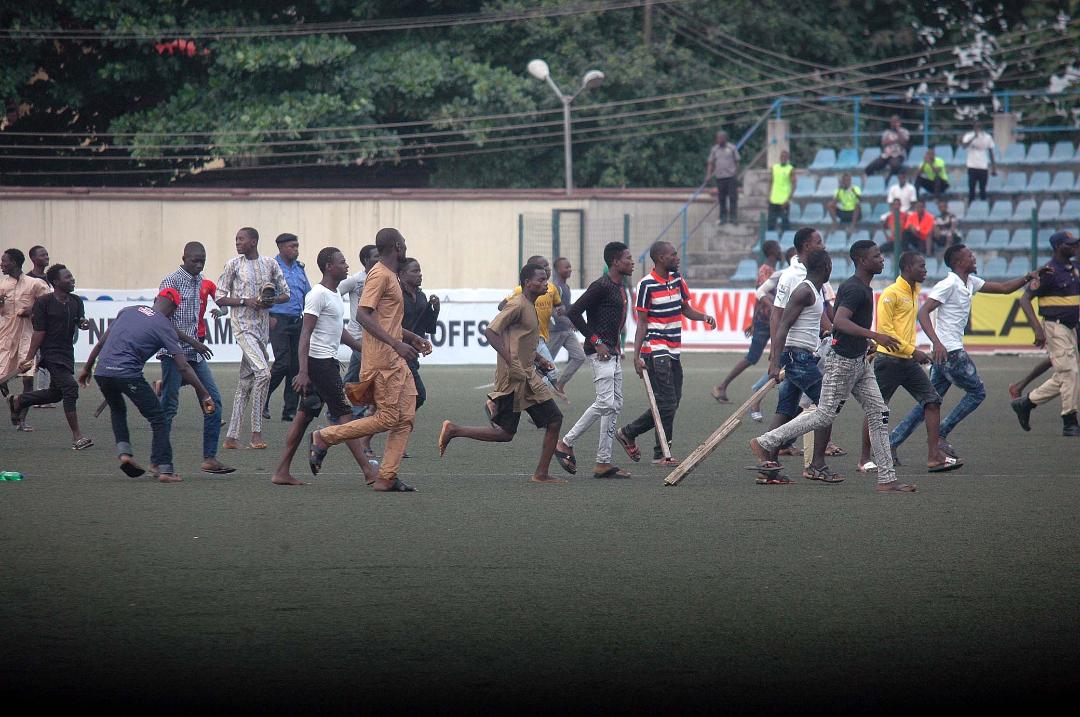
(129, 239)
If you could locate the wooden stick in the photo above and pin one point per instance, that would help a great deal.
(726, 429)
(656, 414)
(100, 409)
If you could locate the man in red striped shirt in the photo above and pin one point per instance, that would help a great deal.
(663, 299)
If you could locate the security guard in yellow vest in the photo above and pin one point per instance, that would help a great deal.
(783, 186)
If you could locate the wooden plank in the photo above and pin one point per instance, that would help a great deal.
(656, 414)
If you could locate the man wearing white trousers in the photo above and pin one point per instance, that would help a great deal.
(604, 303)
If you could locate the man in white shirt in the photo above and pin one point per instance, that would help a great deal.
(980, 159)
(902, 190)
(951, 298)
(319, 377)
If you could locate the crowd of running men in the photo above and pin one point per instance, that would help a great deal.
(824, 346)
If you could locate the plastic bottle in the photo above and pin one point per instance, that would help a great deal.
(12, 476)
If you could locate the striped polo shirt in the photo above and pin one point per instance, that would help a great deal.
(1059, 294)
(660, 303)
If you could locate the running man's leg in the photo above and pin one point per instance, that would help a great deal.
(114, 397)
(575, 359)
(1017, 389)
(244, 379)
(960, 371)
(211, 422)
(146, 401)
(866, 392)
(1061, 345)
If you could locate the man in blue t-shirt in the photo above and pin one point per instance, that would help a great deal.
(135, 336)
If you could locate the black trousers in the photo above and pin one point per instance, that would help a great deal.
(894, 164)
(285, 340)
(666, 376)
(727, 194)
(779, 214)
(935, 186)
(977, 177)
(62, 385)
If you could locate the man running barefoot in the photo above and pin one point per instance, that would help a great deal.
(387, 350)
(137, 333)
(57, 318)
(605, 303)
(847, 371)
(514, 335)
(318, 379)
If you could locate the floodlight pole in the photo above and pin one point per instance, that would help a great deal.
(591, 79)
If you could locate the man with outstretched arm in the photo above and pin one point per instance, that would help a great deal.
(387, 349)
(57, 318)
(663, 299)
(137, 333)
(952, 366)
(605, 303)
(514, 334)
(847, 371)
(318, 378)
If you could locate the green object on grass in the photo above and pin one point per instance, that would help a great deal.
(11, 476)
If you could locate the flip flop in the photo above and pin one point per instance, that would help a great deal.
(667, 462)
(316, 455)
(950, 464)
(833, 450)
(82, 444)
(613, 472)
(257, 446)
(631, 450)
(720, 397)
(4, 390)
(223, 470)
(132, 469)
(568, 462)
(399, 486)
(14, 413)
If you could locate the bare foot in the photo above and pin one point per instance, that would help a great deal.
(720, 394)
(170, 478)
(230, 443)
(445, 436)
(257, 441)
(1014, 391)
(760, 453)
(286, 479)
(547, 479)
(895, 487)
(154, 470)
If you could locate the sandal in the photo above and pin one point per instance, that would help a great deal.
(833, 450)
(82, 443)
(769, 473)
(14, 411)
(949, 464)
(823, 474)
(720, 396)
(399, 486)
(628, 445)
(666, 462)
(316, 455)
(613, 472)
(568, 461)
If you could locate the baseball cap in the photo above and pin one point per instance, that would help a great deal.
(1059, 238)
(171, 294)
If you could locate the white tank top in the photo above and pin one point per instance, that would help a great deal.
(806, 330)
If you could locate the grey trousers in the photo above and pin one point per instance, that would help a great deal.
(607, 378)
(844, 377)
(575, 355)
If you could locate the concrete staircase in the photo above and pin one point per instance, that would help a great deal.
(714, 250)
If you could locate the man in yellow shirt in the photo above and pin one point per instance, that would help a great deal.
(780, 191)
(844, 206)
(933, 177)
(547, 304)
(896, 312)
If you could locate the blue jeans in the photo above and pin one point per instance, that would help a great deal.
(171, 381)
(142, 396)
(958, 370)
(352, 375)
(801, 376)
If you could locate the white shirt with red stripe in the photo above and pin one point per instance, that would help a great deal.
(660, 303)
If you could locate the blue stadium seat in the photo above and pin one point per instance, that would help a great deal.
(1071, 211)
(866, 213)
(104, 297)
(1021, 240)
(827, 187)
(794, 212)
(931, 266)
(998, 239)
(959, 157)
(979, 211)
(944, 151)
(746, 270)
(931, 208)
(1063, 182)
(996, 268)
(887, 272)
(875, 186)
(1022, 213)
(1038, 153)
(976, 238)
(915, 156)
(824, 159)
(805, 187)
(813, 214)
(837, 240)
(847, 159)
(787, 239)
(1044, 237)
(1049, 210)
(842, 268)
(1018, 266)
(861, 235)
(995, 184)
(1038, 182)
(957, 208)
(880, 209)
(1014, 154)
(1063, 153)
(879, 237)
(1015, 183)
(772, 236)
(1001, 211)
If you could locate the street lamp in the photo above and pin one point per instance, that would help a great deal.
(539, 69)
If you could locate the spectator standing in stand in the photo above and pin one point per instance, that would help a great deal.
(980, 160)
(723, 166)
(894, 147)
(780, 190)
